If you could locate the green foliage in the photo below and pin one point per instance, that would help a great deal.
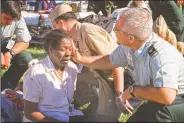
(110, 5)
(124, 117)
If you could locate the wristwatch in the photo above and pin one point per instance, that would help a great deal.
(12, 53)
(131, 89)
(118, 93)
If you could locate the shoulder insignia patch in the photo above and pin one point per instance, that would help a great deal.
(152, 50)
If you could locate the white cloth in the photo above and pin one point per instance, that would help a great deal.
(42, 86)
(31, 18)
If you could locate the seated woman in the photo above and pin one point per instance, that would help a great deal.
(49, 85)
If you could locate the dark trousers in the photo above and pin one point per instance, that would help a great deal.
(93, 118)
(19, 65)
(155, 112)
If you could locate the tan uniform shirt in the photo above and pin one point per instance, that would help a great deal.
(92, 40)
(98, 41)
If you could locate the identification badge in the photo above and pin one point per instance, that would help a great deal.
(71, 110)
(10, 44)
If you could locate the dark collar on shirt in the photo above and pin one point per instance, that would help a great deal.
(140, 52)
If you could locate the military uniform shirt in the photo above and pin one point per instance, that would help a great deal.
(156, 63)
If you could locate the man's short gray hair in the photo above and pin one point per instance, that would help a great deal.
(138, 22)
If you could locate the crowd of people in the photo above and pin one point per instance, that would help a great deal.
(86, 69)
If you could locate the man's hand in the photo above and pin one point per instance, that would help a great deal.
(126, 95)
(122, 106)
(75, 54)
(7, 57)
(2, 60)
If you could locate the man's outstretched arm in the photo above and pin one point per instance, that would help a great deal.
(95, 62)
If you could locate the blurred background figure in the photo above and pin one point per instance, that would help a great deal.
(15, 39)
(172, 15)
(105, 5)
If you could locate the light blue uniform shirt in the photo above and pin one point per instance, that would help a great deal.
(162, 68)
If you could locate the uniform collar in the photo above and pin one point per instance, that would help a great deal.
(139, 53)
(76, 32)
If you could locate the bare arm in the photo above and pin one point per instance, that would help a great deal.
(95, 62)
(159, 95)
(2, 60)
(32, 113)
(20, 46)
(118, 75)
(17, 48)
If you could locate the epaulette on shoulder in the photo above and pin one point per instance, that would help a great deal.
(152, 50)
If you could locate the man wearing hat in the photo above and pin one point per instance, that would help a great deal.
(95, 88)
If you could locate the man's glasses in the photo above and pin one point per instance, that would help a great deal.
(116, 30)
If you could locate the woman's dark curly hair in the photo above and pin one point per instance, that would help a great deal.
(52, 39)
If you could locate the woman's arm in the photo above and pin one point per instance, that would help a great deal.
(32, 113)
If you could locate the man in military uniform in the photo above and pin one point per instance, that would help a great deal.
(156, 67)
(13, 24)
(172, 15)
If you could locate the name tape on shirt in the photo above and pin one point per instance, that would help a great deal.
(152, 50)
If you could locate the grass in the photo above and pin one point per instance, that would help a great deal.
(124, 117)
(37, 52)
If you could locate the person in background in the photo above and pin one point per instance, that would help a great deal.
(97, 87)
(172, 15)
(31, 3)
(14, 41)
(156, 67)
(100, 5)
(44, 7)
